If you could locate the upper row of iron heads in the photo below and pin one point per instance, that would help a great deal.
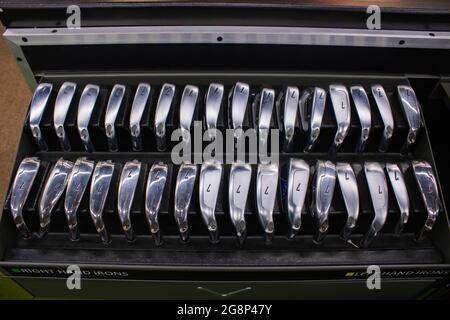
(309, 106)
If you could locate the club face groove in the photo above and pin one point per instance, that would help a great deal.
(100, 184)
(37, 108)
(127, 188)
(62, 105)
(298, 181)
(156, 183)
(165, 102)
(76, 185)
(411, 109)
(349, 188)
(137, 111)
(54, 187)
(23, 182)
(384, 108)
(86, 106)
(266, 190)
(112, 110)
(341, 106)
(239, 186)
(184, 189)
(362, 106)
(210, 178)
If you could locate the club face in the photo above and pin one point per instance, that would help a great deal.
(112, 110)
(54, 187)
(385, 110)
(341, 106)
(210, 178)
(266, 190)
(86, 106)
(298, 181)
(312, 108)
(362, 107)
(290, 102)
(349, 188)
(38, 104)
(78, 180)
(183, 193)
(213, 103)
(156, 183)
(266, 101)
(238, 105)
(398, 184)
(239, 185)
(62, 105)
(188, 104)
(427, 183)
(323, 192)
(127, 188)
(100, 183)
(165, 101)
(377, 184)
(23, 181)
(137, 110)
(411, 109)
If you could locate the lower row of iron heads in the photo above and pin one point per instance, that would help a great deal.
(308, 107)
(73, 178)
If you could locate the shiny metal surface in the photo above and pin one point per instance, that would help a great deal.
(78, 181)
(210, 180)
(427, 183)
(213, 103)
(62, 105)
(411, 109)
(23, 182)
(322, 197)
(362, 106)
(37, 108)
(165, 101)
(239, 186)
(156, 183)
(266, 192)
(288, 105)
(378, 190)
(298, 181)
(188, 104)
(342, 111)
(398, 184)
(265, 101)
(184, 189)
(238, 101)
(54, 187)
(112, 110)
(137, 110)
(350, 193)
(86, 106)
(100, 185)
(127, 188)
(384, 108)
(312, 107)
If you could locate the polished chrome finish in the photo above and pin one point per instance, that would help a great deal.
(411, 109)
(37, 109)
(213, 103)
(266, 192)
(62, 105)
(239, 185)
(287, 105)
(26, 173)
(188, 104)
(86, 106)
(210, 179)
(322, 197)
(238, 100)
(127, 188)
(183, 193)
(156, 183)
(78, 180)
(265, 101)
(385, 110)
(349, 188)
(298, 181)
(342, 111)
(398, 184)
(427, 183)
(165, 101)
(137, 110)
(377, 183)
(362, 106)
(53, 189)
(312, 108)
(112, 110)
(100, 184)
